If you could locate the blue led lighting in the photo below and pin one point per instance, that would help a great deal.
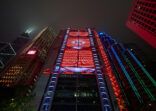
(101, 33)
(127, 75)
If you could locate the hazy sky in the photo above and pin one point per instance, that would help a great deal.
(105, 15)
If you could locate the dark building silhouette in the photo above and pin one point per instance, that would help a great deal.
(8, 51)
(24, 69)
(19, 43)
(142, 20)
(146, 61)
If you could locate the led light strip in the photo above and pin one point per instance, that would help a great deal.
(49, 93)
(144, 70)
(110, 74)
(127, 75)
(151, 96)
(105, 102)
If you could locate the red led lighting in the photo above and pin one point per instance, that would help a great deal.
(70, 58)
(76, 58)
(31, 52)
(83, 33)
(78, 42)
(47, 71)
(77, 55)
(85, 59)
(73, 33)
(80, 33)
(108, 70)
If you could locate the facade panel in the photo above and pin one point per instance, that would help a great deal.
(142, 20)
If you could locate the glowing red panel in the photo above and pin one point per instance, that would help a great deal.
(70, 58)
(73, 33)
(83, 34)
(72, 42)
(143, 33)
(31, 52)
(78, 42)
(84, 42)
(82, 58)
(85, 58)
(78, 55)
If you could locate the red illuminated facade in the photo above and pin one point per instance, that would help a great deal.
(77, 81)
(110, 74)
(142, 20)
(77, 55)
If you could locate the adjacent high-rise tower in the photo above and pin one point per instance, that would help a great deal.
(24, 69)
(142, 20)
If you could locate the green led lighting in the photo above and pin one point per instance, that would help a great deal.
(143, 69)
(127, 76)
(151, 96)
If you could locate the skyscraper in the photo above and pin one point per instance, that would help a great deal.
(93, 72)
(138, 86)
(142, 20)
(77, 82)
(8, 51)
(24, 69)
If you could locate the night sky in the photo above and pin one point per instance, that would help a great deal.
(105, 15)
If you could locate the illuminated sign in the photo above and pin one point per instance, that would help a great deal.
(31, 52)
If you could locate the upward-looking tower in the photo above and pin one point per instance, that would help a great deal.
(93, 72)
(78, 80)
(142, 20)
